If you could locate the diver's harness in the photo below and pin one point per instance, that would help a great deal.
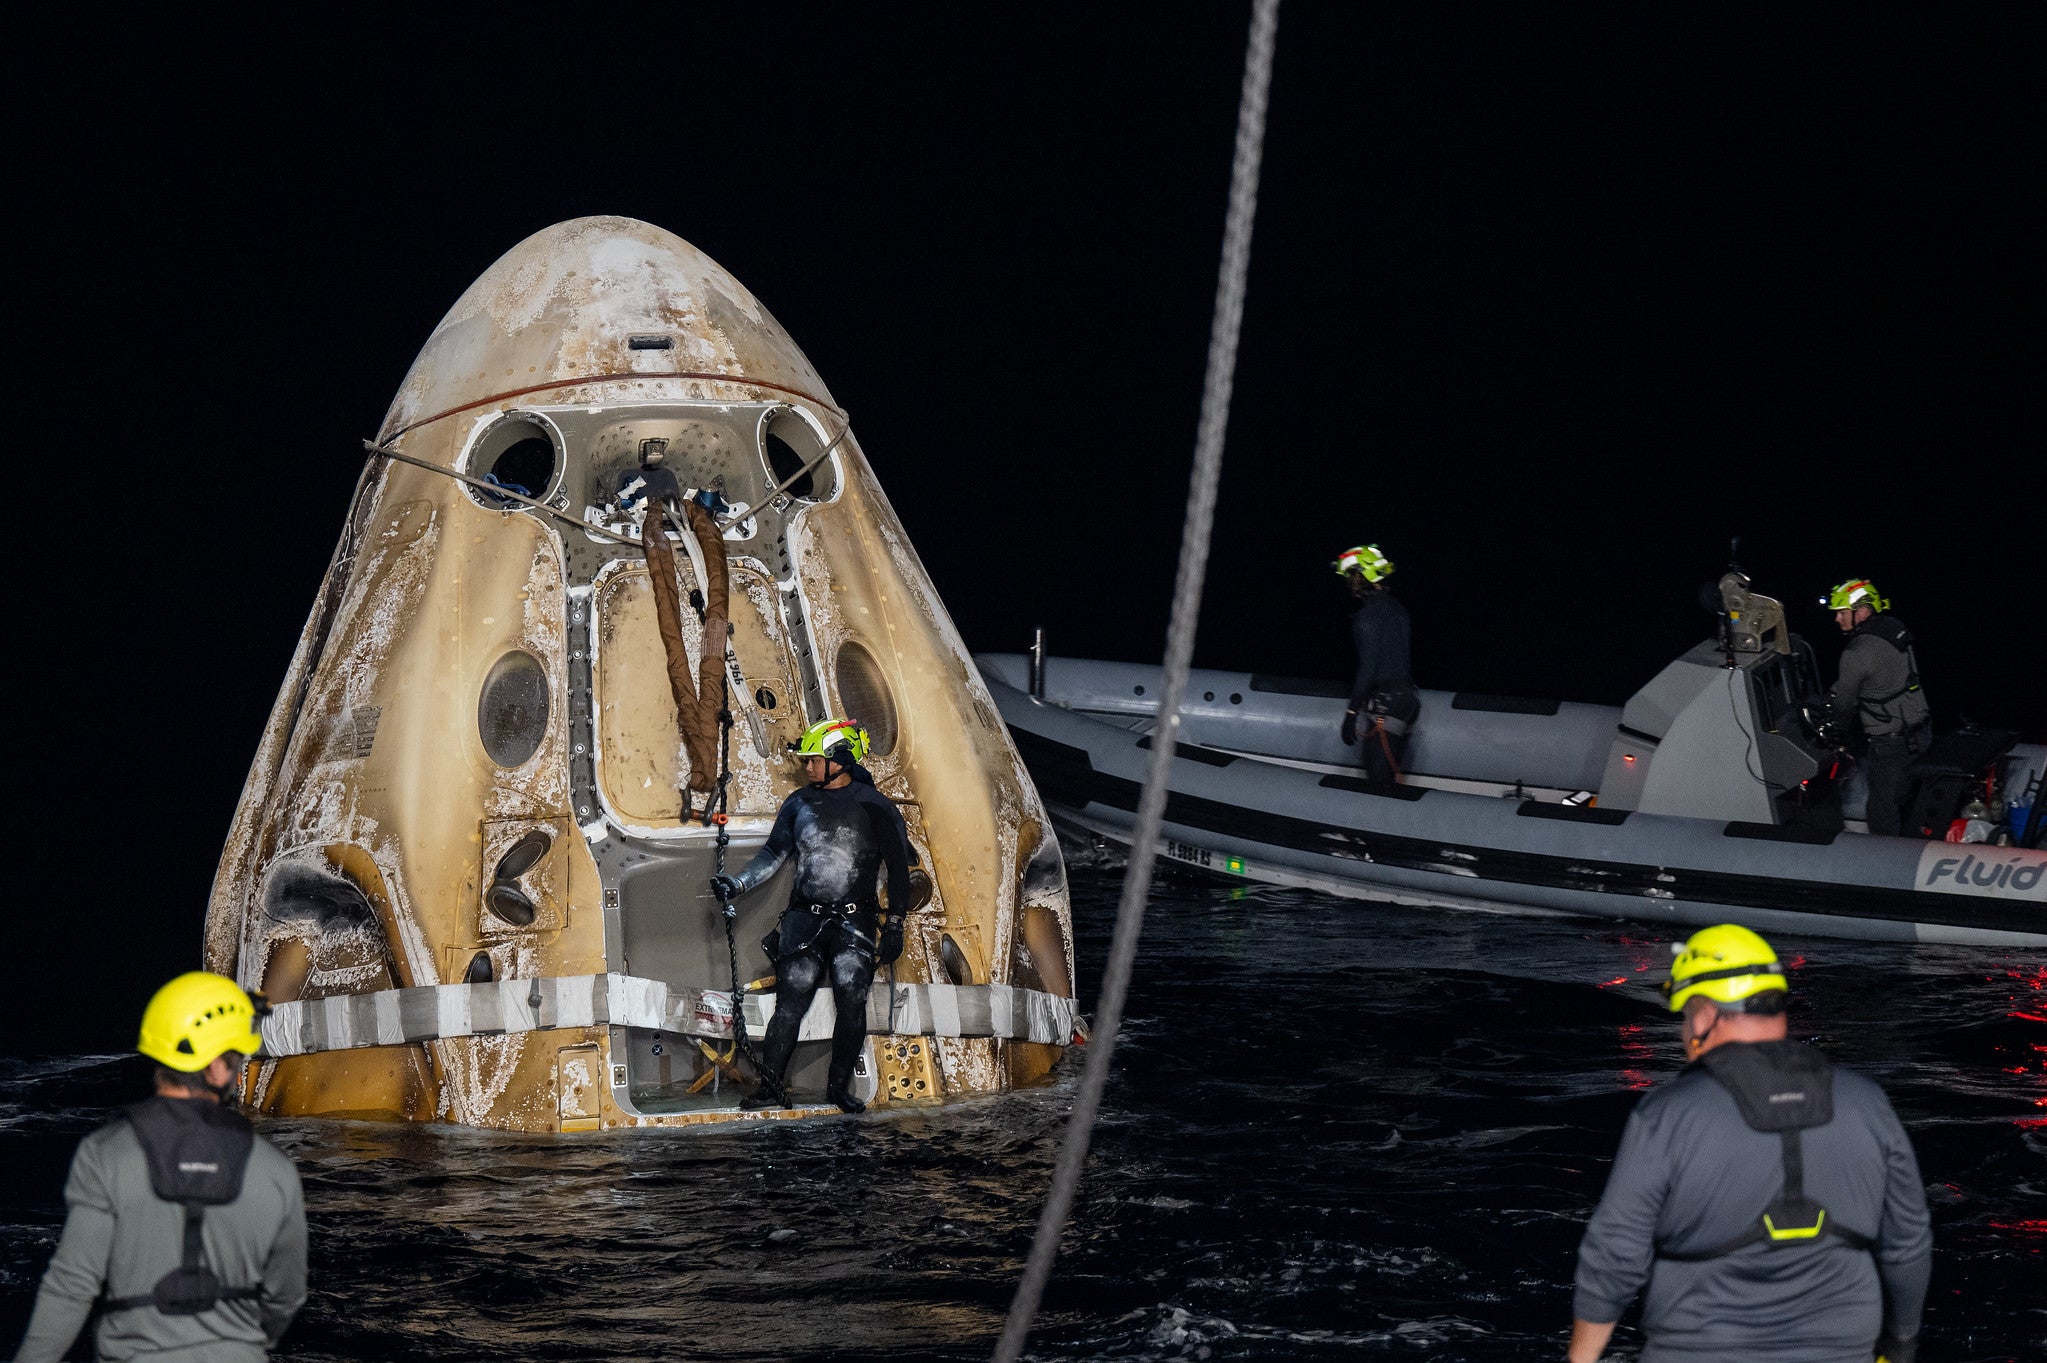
(1783, 1087)
(1894, 633)
(840, 916)
(1379, 707)
(198, 1164)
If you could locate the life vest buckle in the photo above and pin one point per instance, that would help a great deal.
(1809, 1220)
(186, 1291)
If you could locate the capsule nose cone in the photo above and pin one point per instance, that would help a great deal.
(564, 307)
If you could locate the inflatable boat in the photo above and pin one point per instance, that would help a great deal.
(1701, 801)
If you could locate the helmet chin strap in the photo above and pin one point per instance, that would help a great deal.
(227, 1094)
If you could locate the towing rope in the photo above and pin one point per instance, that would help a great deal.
(1194, 542)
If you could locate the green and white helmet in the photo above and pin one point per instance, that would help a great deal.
(1856, 591)
(1365, 560)
(828, 737)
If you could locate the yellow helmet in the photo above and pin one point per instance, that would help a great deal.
(1727, 964)
(196, 1018)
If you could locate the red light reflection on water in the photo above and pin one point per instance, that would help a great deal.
(1638, 1051)
(2022, 1227)
(2037, 981)
(1618, 979)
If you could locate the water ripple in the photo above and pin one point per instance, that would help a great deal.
(1338, 1130)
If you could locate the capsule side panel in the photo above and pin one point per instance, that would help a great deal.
(441, 592)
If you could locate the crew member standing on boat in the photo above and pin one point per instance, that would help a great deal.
(1771, 1202)
(1382, 697)
(186, 1228)
(841, 830)
(1879, 690)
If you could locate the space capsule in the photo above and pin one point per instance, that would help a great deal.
(469, 868)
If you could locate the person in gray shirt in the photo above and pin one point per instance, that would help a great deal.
(1878, 693)
(187, 1230)
(1770, 1202)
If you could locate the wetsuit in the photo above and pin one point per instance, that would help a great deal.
(1879, 689)
(840, 839)
(1693, 1175)
(121, 1239)
(1384, 685)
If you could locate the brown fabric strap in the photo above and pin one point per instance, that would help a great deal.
(698, 699)
(1385, 746)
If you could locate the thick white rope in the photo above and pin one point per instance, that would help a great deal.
(1151, 807)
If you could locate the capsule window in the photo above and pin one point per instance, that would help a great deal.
(518, 455)
(865, 698)
(298, 891)
(511, 711)
(786, 463)
(789, 444)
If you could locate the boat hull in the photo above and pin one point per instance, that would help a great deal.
(1235, 815)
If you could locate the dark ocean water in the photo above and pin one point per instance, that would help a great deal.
(1339, 1130)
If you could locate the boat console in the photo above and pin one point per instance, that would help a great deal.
(1719, 733)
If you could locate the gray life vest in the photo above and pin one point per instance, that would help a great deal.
(198, 1154)
(1893, 632)
(1785, 1087)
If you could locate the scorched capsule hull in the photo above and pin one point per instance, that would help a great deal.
(460, 867)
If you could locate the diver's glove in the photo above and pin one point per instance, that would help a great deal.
(891, 940)
(1891, 1349)
(1350, 728)
(725, 887)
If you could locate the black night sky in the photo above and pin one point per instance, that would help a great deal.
(1548, 301)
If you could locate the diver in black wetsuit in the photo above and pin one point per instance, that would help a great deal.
(1384, 687)
(841, 831)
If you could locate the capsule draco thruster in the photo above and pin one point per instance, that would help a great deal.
(470, 865)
